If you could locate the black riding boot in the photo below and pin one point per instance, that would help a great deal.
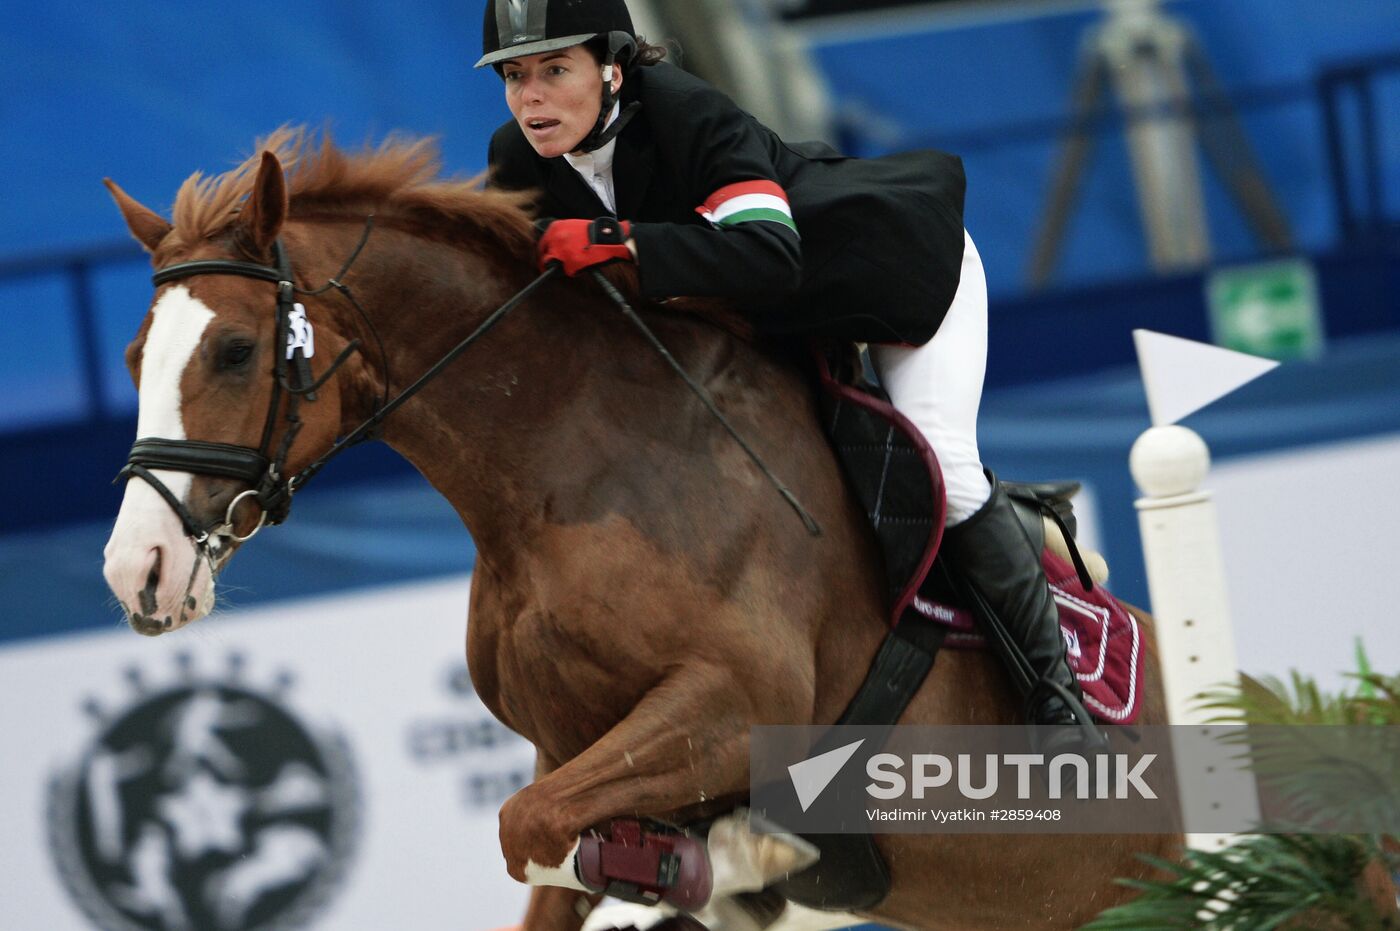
(994, 556)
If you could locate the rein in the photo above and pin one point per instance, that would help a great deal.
(264, 470)
(361, 433)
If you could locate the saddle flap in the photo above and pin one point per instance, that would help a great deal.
(893, 473)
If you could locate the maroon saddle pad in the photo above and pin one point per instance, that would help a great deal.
(895, 475)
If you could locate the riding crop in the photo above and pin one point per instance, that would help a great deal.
(699, 391)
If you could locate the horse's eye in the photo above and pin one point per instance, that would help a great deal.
(236, 354)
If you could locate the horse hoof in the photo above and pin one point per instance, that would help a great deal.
(625, 916)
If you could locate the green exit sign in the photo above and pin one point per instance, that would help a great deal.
(1268, 309)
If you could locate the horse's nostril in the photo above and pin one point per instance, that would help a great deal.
(148, 594)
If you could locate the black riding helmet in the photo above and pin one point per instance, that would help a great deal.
(518, 28)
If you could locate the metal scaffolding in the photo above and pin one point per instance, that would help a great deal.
(1174, 107)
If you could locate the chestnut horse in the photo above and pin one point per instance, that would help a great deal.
(641, 598)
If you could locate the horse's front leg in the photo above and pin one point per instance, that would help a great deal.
(685, 743)
(553, 908)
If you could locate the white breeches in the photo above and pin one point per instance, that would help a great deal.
(938, 386)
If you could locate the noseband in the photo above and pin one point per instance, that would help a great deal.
(261, 468)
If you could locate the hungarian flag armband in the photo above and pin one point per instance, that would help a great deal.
(748, 202)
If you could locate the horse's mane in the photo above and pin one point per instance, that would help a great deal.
(399, 178)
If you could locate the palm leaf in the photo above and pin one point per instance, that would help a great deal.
(1290, 880)
(1260, 884)
(1321, 774)
(1363, 671)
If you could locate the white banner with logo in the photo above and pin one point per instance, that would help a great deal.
(320, 764)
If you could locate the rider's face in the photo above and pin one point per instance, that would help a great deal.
(555, 97)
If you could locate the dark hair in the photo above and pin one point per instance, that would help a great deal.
(645, 56)
(648, 54)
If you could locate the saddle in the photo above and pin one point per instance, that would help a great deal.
(895, 476)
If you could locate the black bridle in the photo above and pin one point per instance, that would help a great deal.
(263, 469)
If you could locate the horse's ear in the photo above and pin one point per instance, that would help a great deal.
(145, 224)
(266, 209)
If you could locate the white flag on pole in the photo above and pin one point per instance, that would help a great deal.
(1182, 376)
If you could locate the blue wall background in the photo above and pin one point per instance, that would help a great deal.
(996, 94)
(148, 91)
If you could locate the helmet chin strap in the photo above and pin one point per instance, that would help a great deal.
(602, 133)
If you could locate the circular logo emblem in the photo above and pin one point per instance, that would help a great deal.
(204, 805)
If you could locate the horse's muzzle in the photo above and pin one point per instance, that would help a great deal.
(161, 580)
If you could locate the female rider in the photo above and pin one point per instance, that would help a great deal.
(709, 202)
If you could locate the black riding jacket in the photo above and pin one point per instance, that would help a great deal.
(878, 245)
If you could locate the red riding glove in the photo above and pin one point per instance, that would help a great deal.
(580, 244)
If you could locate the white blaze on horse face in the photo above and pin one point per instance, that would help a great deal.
(146, 525)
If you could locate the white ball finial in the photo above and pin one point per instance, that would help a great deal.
(1168, 461)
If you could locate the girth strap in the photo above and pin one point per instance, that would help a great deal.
(896, 674)
(852, 874)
